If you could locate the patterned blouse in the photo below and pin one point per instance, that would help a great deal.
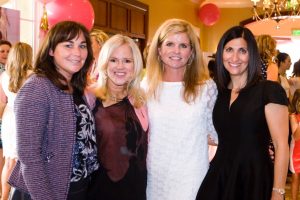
(264, 66)
(85, 160)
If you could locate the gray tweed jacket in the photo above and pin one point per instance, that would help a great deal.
(46, 128)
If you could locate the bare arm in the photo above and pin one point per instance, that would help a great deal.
(3, 98)
(272, 72)
(277, 119)
(295, 126)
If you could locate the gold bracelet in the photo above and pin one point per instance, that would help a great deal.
(279, 190)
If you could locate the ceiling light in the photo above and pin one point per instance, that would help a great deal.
(275, 9)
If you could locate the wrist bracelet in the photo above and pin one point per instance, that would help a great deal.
(279, 190)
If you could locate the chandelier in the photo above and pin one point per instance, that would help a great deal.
(275, 9)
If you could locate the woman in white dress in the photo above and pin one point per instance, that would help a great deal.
(181, 97)
(18, 68)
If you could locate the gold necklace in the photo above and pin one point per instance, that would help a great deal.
(114, 98)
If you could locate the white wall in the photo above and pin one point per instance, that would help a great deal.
(30, 15)
(291, 48)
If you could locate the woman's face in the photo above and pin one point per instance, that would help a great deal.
(4, 50)
(286, 64)
(120, 66)
(236, 57)
(69, 56)
(175, 51)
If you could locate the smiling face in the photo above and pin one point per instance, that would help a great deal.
(175, 51)
(236, 58)
(69, 56)
(120, 66)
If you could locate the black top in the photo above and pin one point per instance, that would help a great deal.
(242, 167)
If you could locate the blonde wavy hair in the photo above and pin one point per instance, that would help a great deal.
(18, 65)
(134, 90)
(196, 73)
(266, 47)
(99, 35)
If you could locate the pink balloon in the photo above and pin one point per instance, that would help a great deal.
(209, 14)
(45, 1)
(71, 10)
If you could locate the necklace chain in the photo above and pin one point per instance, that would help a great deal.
(114, 98)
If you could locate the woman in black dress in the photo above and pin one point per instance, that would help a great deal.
(247, 114)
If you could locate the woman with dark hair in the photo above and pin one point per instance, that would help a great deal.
(56, 140)
(248, 112)
(294, 81)
(284, 63)
(4, 50)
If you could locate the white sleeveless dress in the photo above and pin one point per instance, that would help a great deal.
(8, 129)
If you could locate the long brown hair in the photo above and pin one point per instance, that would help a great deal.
(44, 64)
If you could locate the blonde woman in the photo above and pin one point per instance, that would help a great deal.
(121, 122)
(98, 37)
(267, 51)
(181, 97)
(18, 68)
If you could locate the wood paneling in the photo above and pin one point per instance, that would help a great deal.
(119, 17)
(128, 17)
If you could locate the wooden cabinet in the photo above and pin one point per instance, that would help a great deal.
(128, 17)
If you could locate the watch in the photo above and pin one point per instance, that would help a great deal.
(279, 190)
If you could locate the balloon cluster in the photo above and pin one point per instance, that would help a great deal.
(209, 14)
(73, 10)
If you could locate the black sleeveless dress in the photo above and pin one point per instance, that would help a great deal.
(242, 168)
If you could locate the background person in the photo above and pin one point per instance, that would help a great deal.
(295, 145)
(284, 64)
(98, 37)
(294, 81)
(19, 67)
(4, 50)
(267, 51)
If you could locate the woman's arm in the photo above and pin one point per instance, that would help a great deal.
(272, 72)
(3, 97)
(277, 119)
(295, 126)
(32, 110)
(211, 94)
